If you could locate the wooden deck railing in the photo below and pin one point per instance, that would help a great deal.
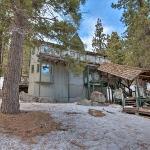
(82, 56)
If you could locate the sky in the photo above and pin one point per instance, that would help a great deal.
(94, 9)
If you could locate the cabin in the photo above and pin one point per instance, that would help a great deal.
(50, 77)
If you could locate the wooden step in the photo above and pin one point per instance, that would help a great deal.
(134, 110)
(131, 101)
(130, 110)
(130, 106)
(144, 111)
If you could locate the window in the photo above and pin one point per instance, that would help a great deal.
(38, 68)
(46, 49)
(47, 73)
(45, 68)
(32, 69)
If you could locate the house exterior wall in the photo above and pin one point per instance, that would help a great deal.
(76, 86)
(33, 77)
(57, 91)
(60, 85)
(55, 88)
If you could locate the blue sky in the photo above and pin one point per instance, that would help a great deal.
(94, 9)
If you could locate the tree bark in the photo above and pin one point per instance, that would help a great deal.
(141, 3)
(10, 100)
(1, 55)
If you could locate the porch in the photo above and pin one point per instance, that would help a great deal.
(132, 83)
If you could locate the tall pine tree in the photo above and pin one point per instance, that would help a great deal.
(98, 42)
(114, 49)
(137, 41)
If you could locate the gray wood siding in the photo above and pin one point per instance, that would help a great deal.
(60, 83)
(76, 85)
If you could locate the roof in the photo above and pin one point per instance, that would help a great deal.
(122, 71)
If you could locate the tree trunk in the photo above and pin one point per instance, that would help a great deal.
(10, 99)
(141, 3)
(1, 54)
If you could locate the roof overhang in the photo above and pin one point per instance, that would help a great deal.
(124, 72)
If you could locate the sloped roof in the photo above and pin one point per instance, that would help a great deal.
(122, 71)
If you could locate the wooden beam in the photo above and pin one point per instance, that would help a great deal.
(145, 76)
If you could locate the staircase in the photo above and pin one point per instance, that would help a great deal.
(130, 105)
(130, 102)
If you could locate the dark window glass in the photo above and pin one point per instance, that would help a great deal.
(38, 68)
(32, 69)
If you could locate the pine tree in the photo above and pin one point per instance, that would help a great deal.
(29, 22)
(114, 49)
(137, 39)
(66, 35)
(4, 35)
(98, 42)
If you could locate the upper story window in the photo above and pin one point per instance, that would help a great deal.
(72, 54)
(32, 69)
(45, 49)
(38, 68)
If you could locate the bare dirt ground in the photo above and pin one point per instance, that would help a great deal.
(113, 130)
(28, 124)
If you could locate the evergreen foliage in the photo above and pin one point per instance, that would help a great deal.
(136, 17)
(99, 39)
(114, 49)
(42, 24)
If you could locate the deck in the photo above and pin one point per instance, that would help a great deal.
(134, 110)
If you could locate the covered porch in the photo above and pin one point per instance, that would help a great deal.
(131, 81)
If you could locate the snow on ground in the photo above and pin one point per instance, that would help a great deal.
(115, 131)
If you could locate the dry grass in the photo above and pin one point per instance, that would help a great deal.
(28, 124)
(96, 113)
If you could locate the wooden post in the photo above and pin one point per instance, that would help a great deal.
(123, 100)
(88, 82)
(138, 95)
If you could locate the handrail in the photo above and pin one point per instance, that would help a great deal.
(82, 56)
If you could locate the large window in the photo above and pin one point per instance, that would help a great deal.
(47, 73)
(45, 69)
